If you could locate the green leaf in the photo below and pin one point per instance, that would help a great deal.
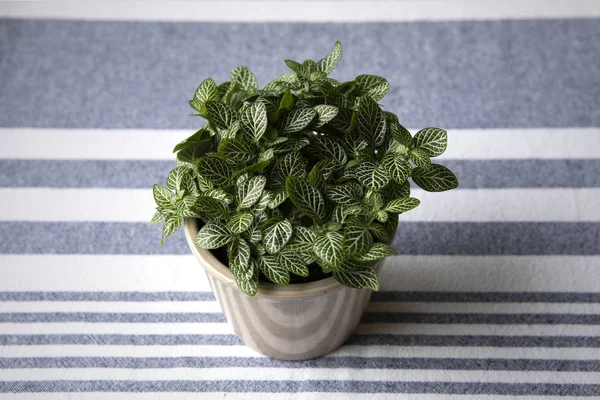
(379, 250)
(298, 119)
(254, 121)
(185, 207)
(420, 158)
(250, 191)
(302, 243)
(306, 197)
(372, 176)
(401, 134)
(218, 194)
(378, 231)
(213, 235)
(163, 197)
(332, 149)
(276, 236)
(211, 207)
(215, 170)
(207, 91)
(244, 78)
(349, 193)
(433, 141)
(170, 226)
(240, 222)
(329, 248)
(325, 114)
(249, 286)
(160, 216)
(292, 164)
(176, 175)
(435, 179)
(292, 262)
(300, 69)
(279, 197)
(328, 63)
(236, 150)
(239, 259)
(357, 239)
(402, 205)
(370, 121)
(382, 216)
(194, 151)
(221, 114)
(200, 135)
(363, 277)
(287, 101)
(372, 85)
(397, 167)
(273, 270)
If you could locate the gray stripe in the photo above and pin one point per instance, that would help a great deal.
(471, 364)
(358, 340)
(461, 74)
(265, 386)
(369, 317)
(417, 238)
(142, 174)
(447, 297)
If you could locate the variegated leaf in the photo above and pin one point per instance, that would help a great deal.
(292, 164)
(213, 235)
(237, 150)
(325, 114)
(207, 91)
(249, 286)
(306, 197)
(221, 114)
(357, 239)
(374, 86)
(370, 122)
(244, 78)
(215, 170)
(372, 175)
(397, 167)
(401, 135)
(329, 248)
(279, 197)
(276, 235)
(273, 270)
(402, 205)
(379, 250)
(239, 259)
(332, 149)
(250, 191)
(163, 197)
(420, 158)
(435, 179)
(433, 141)
(363, 277)
(292, 262)
(298, 119)
(348, 193)
(328, 63)
(254, 121)
(171, 225)
(240, 222)
(185, 207)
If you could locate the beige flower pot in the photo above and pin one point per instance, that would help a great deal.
(288, 322)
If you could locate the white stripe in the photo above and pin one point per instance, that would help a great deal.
(262, 396)
(298, 374)
(131, 144)
(465, 205)
(345, 351)
(82, 328)
(310, 11)
(401, 273)
(376, 306)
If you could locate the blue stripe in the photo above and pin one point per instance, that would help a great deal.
(392, 296)
(142, 174)
(369, 317)
(461, 74)
(327, 386)
(357, 340)
(414, 238)
(471, 364)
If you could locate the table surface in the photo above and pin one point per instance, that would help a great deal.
(496, 287)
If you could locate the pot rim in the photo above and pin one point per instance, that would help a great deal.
(217, 270)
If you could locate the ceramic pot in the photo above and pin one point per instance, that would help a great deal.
(288, 322)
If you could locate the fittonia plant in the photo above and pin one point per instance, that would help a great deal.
(301, 179)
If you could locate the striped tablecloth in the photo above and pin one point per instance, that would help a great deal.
(496, 288)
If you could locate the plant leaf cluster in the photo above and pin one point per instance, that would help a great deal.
(305, 171)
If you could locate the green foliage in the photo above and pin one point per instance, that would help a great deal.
(307, 170)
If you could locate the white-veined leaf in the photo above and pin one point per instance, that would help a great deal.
(194, 151)
(213, 235)
(433, 141)
(170, 226)
(329, 248)
(221, 114)
(160, 216)
(328, 63)
(163, 197)
(401, 134)
(435, 179)
(279, 197)
(372, 175)
(398, 168)
(240, 222)
(348, 193)
(306, 197)
(274, 271)
(402, 205)
(293, 262)
(357, 239)
(237, 150)
(381, 216)
(254, 121)
(374, 86)
(325, 114)
(420, 158)
(276, 235)
(215, 170)
(332, 149)
(207, 91)
(244, 78)
(298, 119)
(239, 259)
(250, 191)
(370, 121)
(292, 164)
(363, 277)
(249, 286)
(186, 207)
(379, 250)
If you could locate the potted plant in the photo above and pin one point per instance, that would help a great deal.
(290, 195)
